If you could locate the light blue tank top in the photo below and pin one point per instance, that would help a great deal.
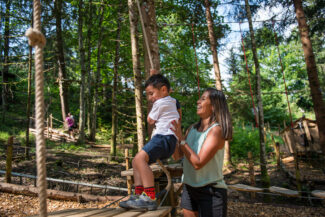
(209, 173)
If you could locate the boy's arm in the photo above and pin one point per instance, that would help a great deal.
(150, 121)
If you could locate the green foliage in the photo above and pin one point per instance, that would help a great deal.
(247, 140)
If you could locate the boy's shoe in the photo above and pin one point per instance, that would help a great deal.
(143, 202)
(124, 204)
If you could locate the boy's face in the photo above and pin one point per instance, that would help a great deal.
(154, 94)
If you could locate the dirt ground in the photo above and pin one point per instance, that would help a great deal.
(93, 166)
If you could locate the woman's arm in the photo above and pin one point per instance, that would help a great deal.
(178, 154)
(211, 145)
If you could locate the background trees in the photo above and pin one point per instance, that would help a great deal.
(88, 52)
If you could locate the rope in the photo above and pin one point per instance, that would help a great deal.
(145, 35)
(197, 67)
(248, 75)
(37, 40)
(283, 76)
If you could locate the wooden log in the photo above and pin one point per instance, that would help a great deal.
(9, 159)
(54, 194)
(276, 147)
(251, 172)
(318, 193)
(247, 188)
(284, 191)
(127, 167)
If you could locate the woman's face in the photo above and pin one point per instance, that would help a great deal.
(204, 107)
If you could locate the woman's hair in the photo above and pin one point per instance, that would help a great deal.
(220, 112)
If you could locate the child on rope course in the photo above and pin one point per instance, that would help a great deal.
(161, 146)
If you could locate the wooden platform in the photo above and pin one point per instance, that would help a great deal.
(112, 212)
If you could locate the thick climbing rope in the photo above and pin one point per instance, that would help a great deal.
(248, 75)
(283, 75)
(197, 66)
(37, 40)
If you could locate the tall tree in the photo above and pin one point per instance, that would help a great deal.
(150, 25)
(5, 70)
(97, 76)
(89, 74)
(217, 74)
(264, 174)
(81, 138)
(60, 58)
(319, 106)
(115, 83)
(133, 17)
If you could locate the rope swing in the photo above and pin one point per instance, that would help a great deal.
(36, 39)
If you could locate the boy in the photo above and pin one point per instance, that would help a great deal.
(161, 146)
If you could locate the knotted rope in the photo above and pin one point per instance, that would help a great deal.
(37, 40)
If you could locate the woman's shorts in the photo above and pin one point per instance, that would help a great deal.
(208, 201)
(160, 147)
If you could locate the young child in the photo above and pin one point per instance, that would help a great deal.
(161, 146)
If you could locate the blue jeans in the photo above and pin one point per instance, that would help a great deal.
(160, 147)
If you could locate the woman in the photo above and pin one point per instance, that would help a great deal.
(204, 191)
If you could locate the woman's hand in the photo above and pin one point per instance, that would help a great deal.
(177, 129)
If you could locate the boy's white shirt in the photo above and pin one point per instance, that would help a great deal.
(164, 111)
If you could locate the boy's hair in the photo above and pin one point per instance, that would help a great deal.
(157, 81)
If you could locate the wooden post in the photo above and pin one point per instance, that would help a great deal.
(51, 121)
(276, 147)
(307, 131)
(127, 167)
(9, 159)
(243, 125)
(51, 125)
(298, 183)
(48, 127)
(268, 127)
(251, 172)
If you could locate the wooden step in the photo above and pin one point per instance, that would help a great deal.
(318, 193)
(284, 191)
(242, 187)
(110, 212)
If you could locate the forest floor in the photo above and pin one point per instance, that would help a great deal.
(91, 165)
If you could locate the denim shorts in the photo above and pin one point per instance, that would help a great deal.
(208, 201)
(160, 147)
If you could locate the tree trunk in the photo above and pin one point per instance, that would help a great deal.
(151, 47)
(5, 70)
(97, 77)
(81, 138)
(213, 46)
(133, 16)
(264, 174)
(63, 88)
(319, 105)
(89, 89)
(115, 83)
(149, 17)
(29, 92)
